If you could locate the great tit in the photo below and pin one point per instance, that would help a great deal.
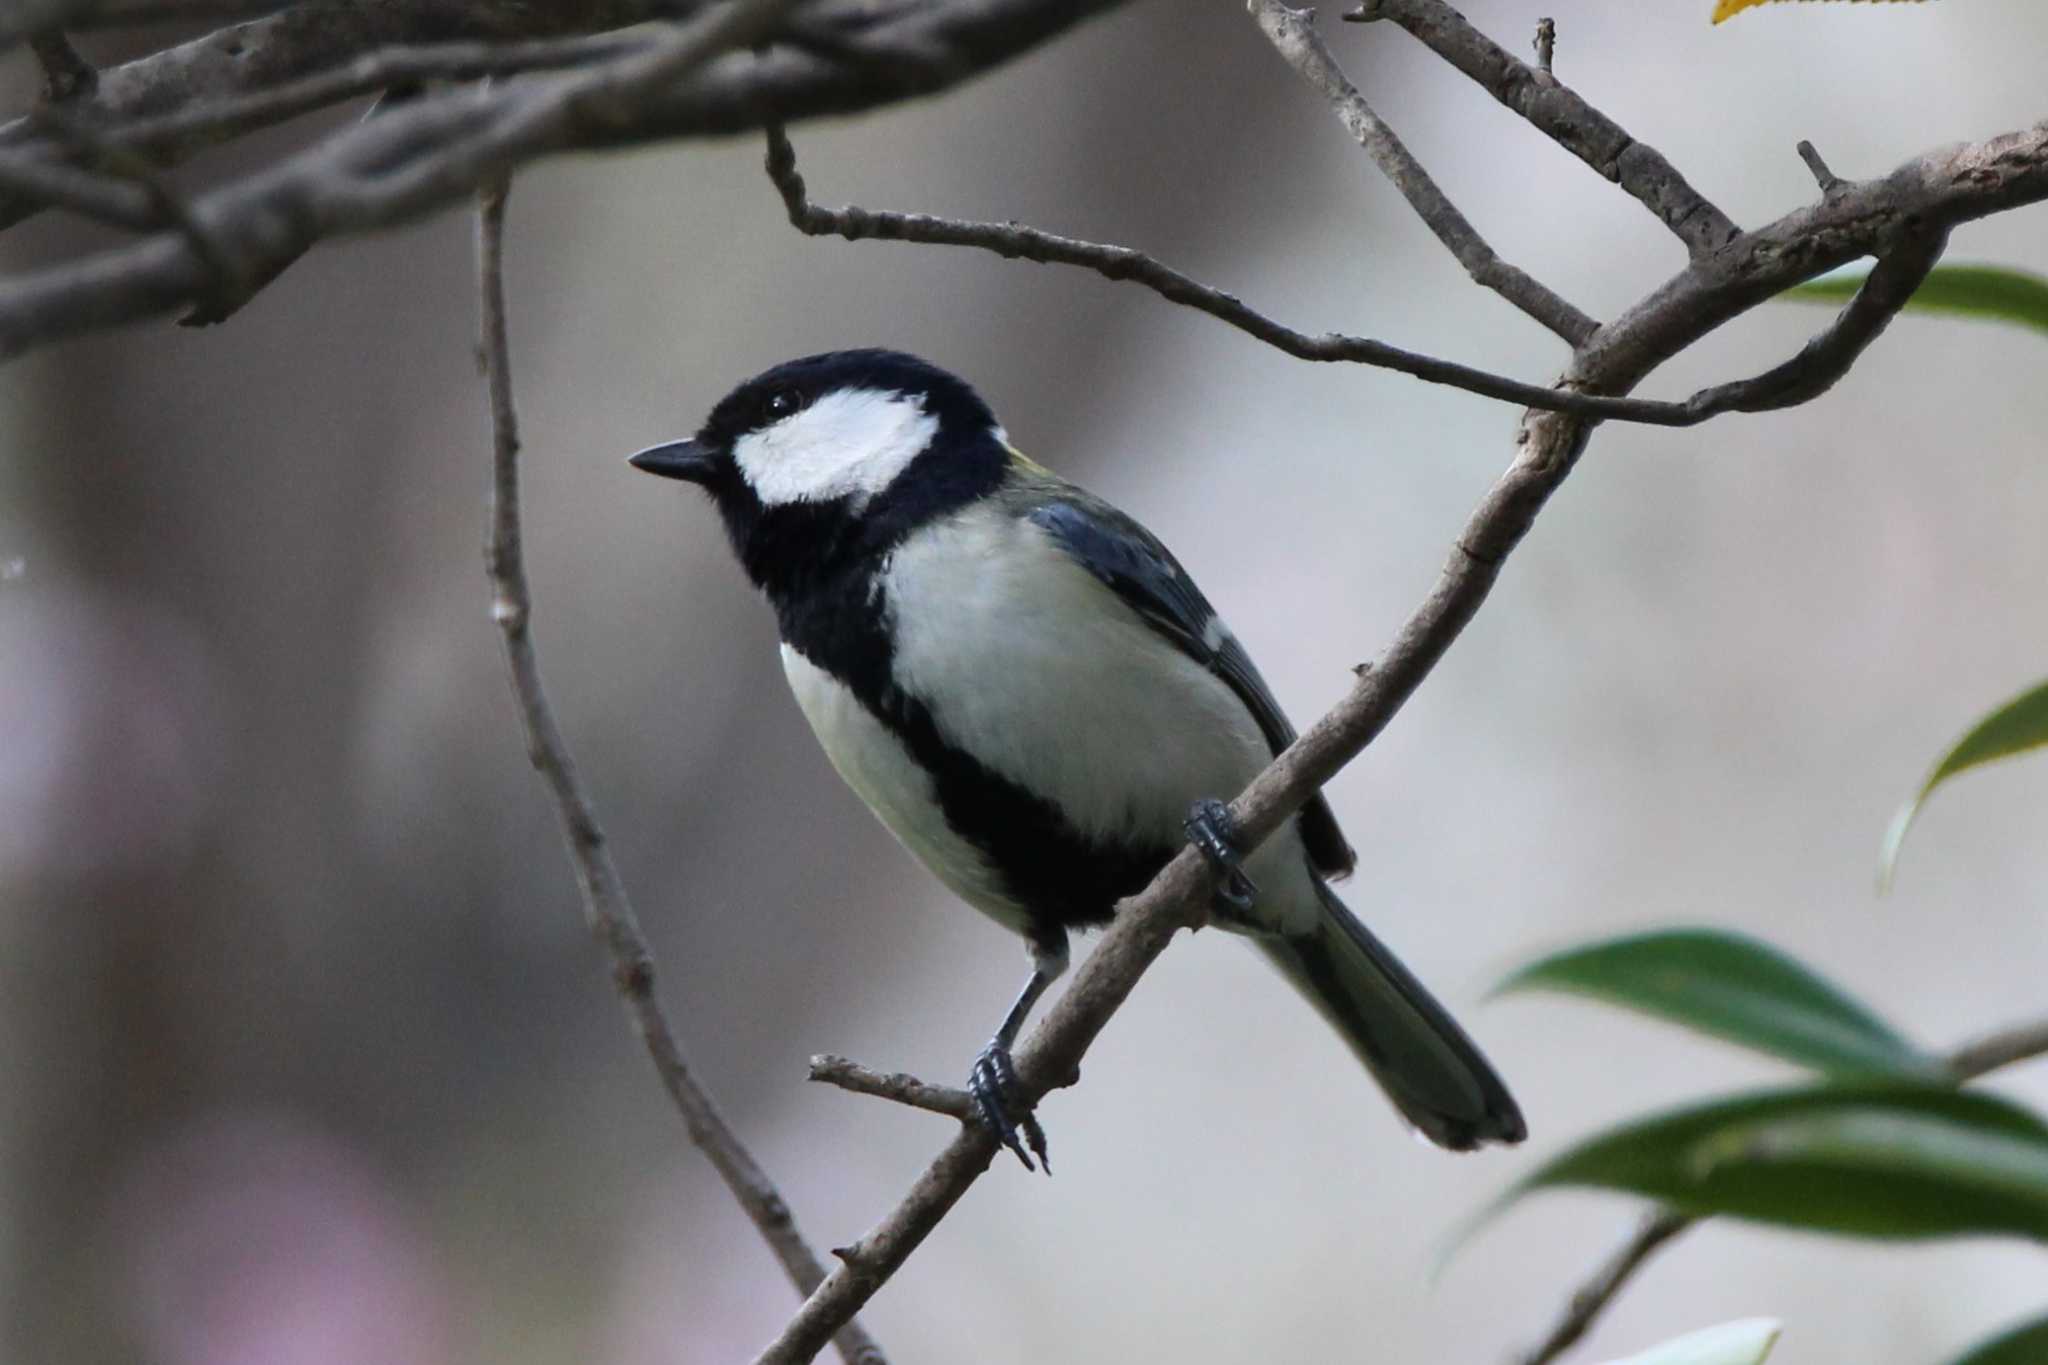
(1033, 696)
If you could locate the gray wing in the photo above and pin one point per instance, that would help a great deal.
(1131, 562)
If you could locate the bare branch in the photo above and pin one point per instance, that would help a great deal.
(2001, 1049)
(1987, 1054)
(227, 81)
(170, 136)
(1706, 294)
(66, 75)
(1590, 1299)
(26, 18)
(1546, 45)
(605, 903)
(1293, 33)
(1564, 117)
(105, 199)
(893, 1085)
(1827, 357)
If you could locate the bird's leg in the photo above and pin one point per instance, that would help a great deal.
(1213, 832)
(993, 1083)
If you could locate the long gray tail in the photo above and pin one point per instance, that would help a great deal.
(1432, 1072)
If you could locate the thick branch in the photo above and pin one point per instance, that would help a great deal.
(27, 18)
(1293, 33)
(605, 903)
(891, 50)
(1564, 117)
(1971, 1060)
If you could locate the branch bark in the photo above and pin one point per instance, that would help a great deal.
(1292, 32)
(606, 906)
(1565, 118)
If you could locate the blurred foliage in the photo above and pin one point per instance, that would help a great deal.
(1736, 988)
(1994, 293)
(2023, 1345)
(2017, 726)
(1899, 1157)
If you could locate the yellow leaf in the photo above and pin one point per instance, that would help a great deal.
(1724, 8)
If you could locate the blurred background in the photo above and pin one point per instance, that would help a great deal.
(305, 1056)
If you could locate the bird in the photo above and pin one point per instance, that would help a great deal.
(1035, 699)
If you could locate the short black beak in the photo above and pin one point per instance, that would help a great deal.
(686, 460)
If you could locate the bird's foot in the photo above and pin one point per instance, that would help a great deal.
(994, 1085)
(1214, 834)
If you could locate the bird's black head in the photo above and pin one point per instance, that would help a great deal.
(824, 461)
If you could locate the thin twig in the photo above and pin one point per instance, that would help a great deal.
(1969, 1061)
(1563, 116)
(891, 1085)
(1014, 241)
(1293, 33)
(1822, 362)
(605, 903)
(1546, 45)
(1806, 375)
(1829, 182)
(107, 199)
(1591, 1298)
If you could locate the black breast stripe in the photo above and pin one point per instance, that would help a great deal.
(1064, 880)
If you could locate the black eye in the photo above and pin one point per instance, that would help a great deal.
(781, 403)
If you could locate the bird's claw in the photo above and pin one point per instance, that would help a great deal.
(1214, 834)
(994, 1085)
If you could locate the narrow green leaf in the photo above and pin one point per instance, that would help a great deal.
(1737, 988)
(1977, 291)
(1876, 1160)
(1745, 1342)
(2023, 1345)
(2017, 726)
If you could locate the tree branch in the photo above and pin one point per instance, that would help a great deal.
(1292, 32)
(605, 903)
(1564, 117)
(1896, 217)
(893, 1085)
(1968, 1062)
(1590, 1299)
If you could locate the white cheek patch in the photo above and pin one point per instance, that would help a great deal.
(850, 443)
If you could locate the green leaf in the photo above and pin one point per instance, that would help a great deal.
(2017, 726)
(1745, 1342)
(1737, 988)
(2023, 1345)
(1977, 291)
(1877, 1160)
